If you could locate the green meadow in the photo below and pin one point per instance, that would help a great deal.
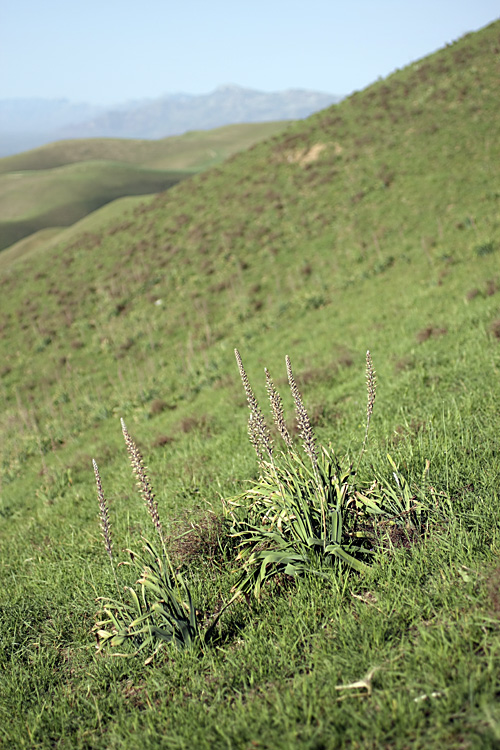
(59, 184)
(373, 225)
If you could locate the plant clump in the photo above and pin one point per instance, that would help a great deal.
(156, 609)
(306, 513)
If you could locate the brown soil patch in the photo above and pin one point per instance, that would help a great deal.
(305, 156)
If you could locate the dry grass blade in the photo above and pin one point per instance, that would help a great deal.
(364, 684)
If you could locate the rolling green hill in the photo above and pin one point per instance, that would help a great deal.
(56, 235)
(63, 195)
(60, 183)
(372, 225)
(193, 150)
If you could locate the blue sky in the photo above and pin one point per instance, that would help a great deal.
(111, 51)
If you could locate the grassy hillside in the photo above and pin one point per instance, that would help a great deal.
(193, 150)
(373, 224)
(58, 184)
(52, 236)
(63, 195)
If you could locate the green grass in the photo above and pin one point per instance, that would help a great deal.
(62, 182)
(64, 195)
(97, 221)
(385, 239)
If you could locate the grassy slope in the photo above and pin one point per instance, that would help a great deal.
(372, 224)
(64, 195)
(60, 183)
(192, 150)
(45, 238)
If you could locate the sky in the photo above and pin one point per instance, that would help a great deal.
(113, 51)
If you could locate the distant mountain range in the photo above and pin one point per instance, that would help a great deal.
(28, 123)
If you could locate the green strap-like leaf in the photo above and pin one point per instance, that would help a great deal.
(337, 550)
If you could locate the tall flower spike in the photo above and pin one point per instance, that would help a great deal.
(277, 410)
(305, 429)
(143, 482)
(258, 430)
(103, 513)
(371, 386)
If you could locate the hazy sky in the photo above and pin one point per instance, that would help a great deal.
(110, 51)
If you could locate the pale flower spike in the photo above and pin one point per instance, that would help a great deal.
(143, 482)
(103, 513)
